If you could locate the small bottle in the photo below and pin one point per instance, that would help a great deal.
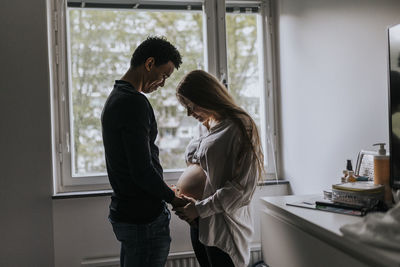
(382, 171)
(344, 177)
(351, 178)
(349, 166)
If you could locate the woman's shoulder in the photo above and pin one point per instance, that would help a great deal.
(225, 126)
(224, 133)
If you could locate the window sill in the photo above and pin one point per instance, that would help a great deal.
(99, 193)
(82, 194)
(273, 182)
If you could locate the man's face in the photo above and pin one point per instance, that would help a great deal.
(157, 76)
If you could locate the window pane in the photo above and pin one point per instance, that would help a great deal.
(243, 72)
(243, 68)
(101, 44)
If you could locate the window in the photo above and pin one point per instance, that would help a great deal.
(93, 42)
(249, 82)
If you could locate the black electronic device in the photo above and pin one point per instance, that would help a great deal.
(394, 105)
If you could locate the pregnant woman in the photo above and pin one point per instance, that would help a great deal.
(224, 165)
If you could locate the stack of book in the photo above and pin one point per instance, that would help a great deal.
(356, 198)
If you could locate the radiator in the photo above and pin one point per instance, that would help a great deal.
(182, 259)
(179, 259)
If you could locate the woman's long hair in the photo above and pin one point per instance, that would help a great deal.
(205, 91)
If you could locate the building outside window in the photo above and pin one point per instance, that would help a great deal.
(94, 41)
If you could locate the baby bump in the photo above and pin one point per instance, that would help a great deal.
(192, 181)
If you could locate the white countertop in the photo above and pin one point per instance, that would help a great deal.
(325, 226)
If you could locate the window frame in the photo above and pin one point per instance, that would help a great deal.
(215, 54)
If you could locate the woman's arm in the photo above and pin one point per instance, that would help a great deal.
(232, 196)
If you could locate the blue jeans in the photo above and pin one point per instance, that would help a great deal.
(144, 245)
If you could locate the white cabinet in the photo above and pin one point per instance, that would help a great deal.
(299, 237)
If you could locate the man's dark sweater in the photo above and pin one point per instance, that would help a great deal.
(133, 167)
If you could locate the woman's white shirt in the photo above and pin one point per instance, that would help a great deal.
(225, 214)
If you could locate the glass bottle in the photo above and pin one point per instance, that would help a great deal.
(344, 177)
(351, 178)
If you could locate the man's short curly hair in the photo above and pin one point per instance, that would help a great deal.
(159, 48)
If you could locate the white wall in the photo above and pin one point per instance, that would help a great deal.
(26, 228)
(82, 231)
(333, 85)
(333, 103)
(36, 231)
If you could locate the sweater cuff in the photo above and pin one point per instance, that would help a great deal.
(170, 195)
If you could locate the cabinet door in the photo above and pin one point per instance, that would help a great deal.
(286, 245)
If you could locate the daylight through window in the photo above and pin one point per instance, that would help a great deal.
(100, 45)
(93, 46)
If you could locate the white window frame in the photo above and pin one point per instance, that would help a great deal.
(215, 63)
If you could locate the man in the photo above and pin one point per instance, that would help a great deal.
(138, 212)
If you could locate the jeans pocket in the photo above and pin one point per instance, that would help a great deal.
(132, 232)
(160, 227)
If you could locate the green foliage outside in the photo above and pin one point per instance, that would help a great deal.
(101, 43)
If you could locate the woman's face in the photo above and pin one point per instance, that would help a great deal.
(198, 113)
